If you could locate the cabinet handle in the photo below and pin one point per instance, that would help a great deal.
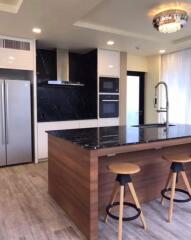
(2, 114)
(7, 113)
(110, 100)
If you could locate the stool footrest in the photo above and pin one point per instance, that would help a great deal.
(164, 191)
(138, 210)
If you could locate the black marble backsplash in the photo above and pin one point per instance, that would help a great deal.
(46, 64)
(64, 103)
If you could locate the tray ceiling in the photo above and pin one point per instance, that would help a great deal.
(79, 24)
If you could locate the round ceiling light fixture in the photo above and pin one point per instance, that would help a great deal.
(170, 21)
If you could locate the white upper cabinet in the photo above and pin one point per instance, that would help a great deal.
(108, 63)
(16, 53)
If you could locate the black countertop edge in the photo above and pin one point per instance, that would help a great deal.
(109, 137)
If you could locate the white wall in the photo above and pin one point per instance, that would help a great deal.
(151, 66)
(123, 87)
(151, 79)
(137, 63)
(133, 63)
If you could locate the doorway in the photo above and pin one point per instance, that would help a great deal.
(135, 98)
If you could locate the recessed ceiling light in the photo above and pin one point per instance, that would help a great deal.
(110, 42)
(36, 30)
(11, 58)
(110, 66)
(162, 51)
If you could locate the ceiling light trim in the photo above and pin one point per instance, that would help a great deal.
(182, 40)
(11, 8)
(102, 28)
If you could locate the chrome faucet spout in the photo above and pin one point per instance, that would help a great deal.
(162, 109)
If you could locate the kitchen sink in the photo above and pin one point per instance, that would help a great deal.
(153, 125)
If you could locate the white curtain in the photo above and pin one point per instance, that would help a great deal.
(176, 72)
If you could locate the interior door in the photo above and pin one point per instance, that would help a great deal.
(2, 126)
(18, 121)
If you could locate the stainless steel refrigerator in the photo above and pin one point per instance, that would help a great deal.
(15, 122)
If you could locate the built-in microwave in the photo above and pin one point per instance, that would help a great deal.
(109, 106)
(108, 85)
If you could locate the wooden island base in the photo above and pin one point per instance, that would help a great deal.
(80, 183)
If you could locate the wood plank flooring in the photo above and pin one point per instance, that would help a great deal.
(27, 212)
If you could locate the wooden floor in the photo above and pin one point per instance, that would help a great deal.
(27, 212)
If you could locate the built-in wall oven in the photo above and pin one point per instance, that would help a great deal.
(108, 97)
(108, 106)
(108, 85)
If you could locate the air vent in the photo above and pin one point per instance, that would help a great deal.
(13, 44)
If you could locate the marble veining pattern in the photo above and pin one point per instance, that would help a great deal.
(105, 137)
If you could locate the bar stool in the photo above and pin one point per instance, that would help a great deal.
(176, 169)
(123, 171)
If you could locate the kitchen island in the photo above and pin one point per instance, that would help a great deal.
(78, 179)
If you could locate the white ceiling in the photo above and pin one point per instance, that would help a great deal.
(79, 24)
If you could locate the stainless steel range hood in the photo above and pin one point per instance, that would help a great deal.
(65, 83)
(63, 70)
(62, 65)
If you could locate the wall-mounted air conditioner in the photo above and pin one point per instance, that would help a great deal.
(16, 53)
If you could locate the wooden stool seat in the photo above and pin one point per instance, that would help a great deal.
(179, 158)
(124, 168)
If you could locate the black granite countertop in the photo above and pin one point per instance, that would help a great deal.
(105, 137)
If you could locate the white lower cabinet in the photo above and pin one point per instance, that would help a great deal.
(88, 123)
(43, 136)
(106, 122)
(48, 126)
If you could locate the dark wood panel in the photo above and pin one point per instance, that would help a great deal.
(73, 183)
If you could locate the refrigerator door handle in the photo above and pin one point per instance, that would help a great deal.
(7, 113)
(2, 115)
